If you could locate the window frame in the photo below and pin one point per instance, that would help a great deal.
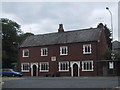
(47, 67)
(87, 63)
(111, 65)
(22, 69)
(42, 51)
(65, 62)
(86, 46)
(23, 52)
(61, 50)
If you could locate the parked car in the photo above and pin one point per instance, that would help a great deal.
(11, 72)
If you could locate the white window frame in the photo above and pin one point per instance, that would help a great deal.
(63, 47)
(22, 64)
(111, 65)
(24, 50)
(87, 45)
(92, 68)
(64, 62)
(47, 66)
(43, 50)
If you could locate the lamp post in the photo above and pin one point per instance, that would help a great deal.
(112, 54)
(111, 21)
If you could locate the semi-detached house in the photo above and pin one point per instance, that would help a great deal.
(69, 53)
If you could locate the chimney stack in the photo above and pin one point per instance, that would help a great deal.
(60, 28)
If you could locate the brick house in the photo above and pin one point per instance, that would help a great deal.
(69, 53)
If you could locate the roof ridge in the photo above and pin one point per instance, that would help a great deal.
(66, 31)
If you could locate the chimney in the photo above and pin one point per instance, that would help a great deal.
(60, 28)
(101, 26)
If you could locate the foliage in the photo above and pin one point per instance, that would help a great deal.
(108, 37)
(10, 36)
(107, 54)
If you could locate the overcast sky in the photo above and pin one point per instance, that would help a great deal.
(44, 17)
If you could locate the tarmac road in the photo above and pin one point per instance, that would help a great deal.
(60, 82)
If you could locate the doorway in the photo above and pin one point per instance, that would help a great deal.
(75, 70)
(34, 70)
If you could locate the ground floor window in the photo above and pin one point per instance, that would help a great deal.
(111, 65)
(25, 67)
(44, 66)
(64, 66)
(87, 65)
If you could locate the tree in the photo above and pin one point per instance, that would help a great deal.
(108, 35)
(10, 40)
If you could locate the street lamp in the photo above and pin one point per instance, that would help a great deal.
(112, 54)
(111, 21)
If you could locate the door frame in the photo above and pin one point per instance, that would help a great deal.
(32, 68)
(71, 65)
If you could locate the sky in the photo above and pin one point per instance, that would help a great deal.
(44, 17)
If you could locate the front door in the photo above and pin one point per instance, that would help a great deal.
(34, 70)
(75, 70)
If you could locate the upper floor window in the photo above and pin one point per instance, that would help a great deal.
(44, 66)
(64, 66)
(25, 53)
(44, 51)
(87, 49)
(25, 67)
(87, 65)
(63, 50)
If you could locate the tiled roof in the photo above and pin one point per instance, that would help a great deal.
(63, 37)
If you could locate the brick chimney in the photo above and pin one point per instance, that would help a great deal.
(60, 28)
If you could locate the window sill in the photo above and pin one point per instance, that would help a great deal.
(87, 70)
(25, 56)
(88, 53)
(44, 70)
(25, 71)
(63, 70)
(44, 55)
(63, 54)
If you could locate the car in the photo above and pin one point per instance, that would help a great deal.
(11, 72)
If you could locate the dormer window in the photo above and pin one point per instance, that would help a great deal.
(25, 53)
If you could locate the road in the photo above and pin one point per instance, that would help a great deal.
(60, 82)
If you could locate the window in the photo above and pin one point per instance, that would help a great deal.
(87, 65)
(64, 50)
(44, 66)
(25, 53)
(25, 67)
(63, 66)
(111, 65)
(87, 49)
(44, 51)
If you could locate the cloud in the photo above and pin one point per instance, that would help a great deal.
(44, 17)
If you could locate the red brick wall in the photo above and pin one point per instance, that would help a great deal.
(102, 45)
(75, 53)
